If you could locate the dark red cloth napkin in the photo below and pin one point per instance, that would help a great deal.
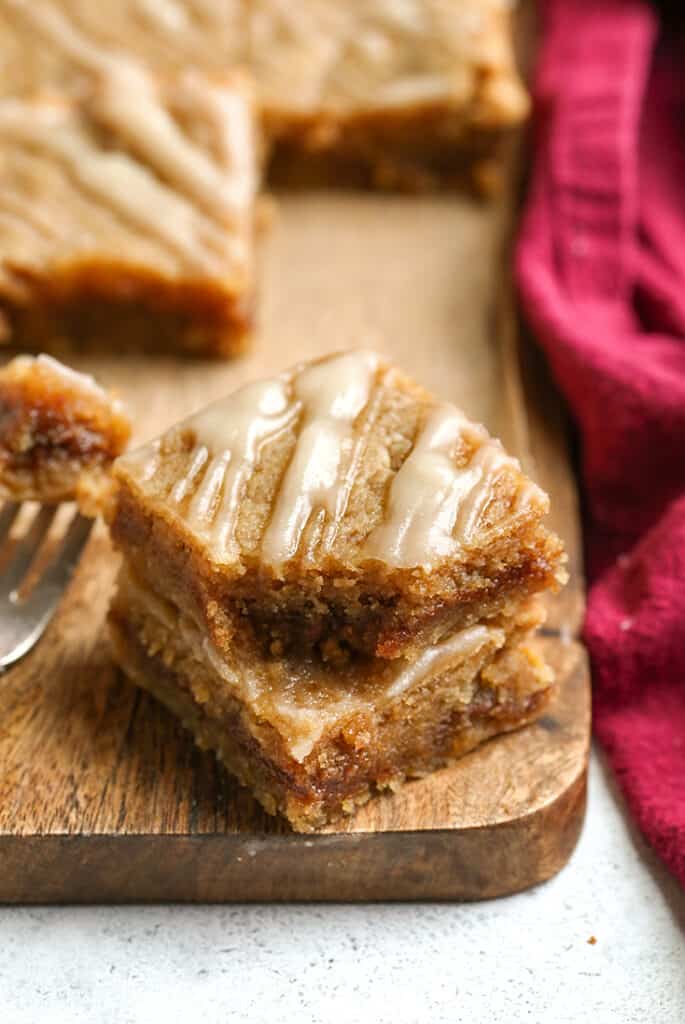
(601, 272)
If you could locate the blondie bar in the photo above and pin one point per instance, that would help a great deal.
(313, 743)
(337, 506)
(332, 578)
(126, 215)
(375, 91)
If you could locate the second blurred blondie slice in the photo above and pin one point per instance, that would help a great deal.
(127, 214)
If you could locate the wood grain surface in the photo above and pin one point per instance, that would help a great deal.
(104, 798)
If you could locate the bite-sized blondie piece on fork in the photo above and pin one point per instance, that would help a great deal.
(59, 433)
(331, 576)
(127, 214)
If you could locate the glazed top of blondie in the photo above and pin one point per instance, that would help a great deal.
(333, 465)
(370, 56)
(146, 177)
(308, 57)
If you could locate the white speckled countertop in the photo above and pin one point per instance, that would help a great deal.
(525, 958)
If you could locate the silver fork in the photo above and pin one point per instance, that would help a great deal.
(24, 617)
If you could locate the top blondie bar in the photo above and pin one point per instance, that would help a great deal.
(337, 506)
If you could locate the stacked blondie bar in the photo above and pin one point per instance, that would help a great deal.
(332, 578)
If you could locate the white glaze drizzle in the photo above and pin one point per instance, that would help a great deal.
(232, 123)
(184, 484)
(324, 401)
(319, 56)
(230, 436)
(443, 655)
(363, 433)
(164, 15)
(332, 394)
(55, 27)
(433, 505)
(114, 180)
(128, 101)
(71, 377)
(486, 466)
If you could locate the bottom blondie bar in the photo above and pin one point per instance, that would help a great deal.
(312, 742)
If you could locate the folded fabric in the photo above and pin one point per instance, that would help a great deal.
(601, 273)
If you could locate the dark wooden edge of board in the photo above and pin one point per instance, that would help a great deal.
(433, 864)
(346, 867)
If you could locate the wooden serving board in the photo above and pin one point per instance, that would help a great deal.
(102, 795)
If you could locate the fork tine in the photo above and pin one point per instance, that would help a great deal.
(7, 517)
(70, 549)
(27, 548)
(22, 623)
